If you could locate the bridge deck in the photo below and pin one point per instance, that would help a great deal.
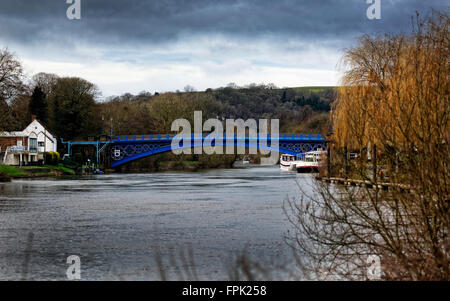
(170, 137)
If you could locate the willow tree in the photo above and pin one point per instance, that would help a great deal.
(395, 91)
(395, 95)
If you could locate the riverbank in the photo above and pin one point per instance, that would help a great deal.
(14, 172)
(170, 162)
(25, 172)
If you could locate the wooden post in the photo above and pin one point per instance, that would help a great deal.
(329, 161)
(374, 161)
(346, 161)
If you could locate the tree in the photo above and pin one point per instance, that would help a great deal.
(394, 96)
(45, 81)
(189, 88)
(166, 108)
(284, 97)
(20, 111)
(11, 73)
(75, 112)
(38, 105)
(7, 122)
(129, 116)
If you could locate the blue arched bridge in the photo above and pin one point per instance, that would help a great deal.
(125, 149)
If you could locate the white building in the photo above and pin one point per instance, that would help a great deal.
(28, 146)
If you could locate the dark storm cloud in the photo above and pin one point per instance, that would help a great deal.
(157, 21)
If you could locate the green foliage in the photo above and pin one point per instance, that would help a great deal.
(44, 170)
(70, 164)
(74, 108)
(38, 105)
(61, 167)
(314, 102)
(293, 106)
(52, 158)
(11, 171)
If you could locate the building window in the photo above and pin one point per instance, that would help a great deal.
(33, 143)
(41, 144)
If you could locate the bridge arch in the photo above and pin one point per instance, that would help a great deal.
(123, 153)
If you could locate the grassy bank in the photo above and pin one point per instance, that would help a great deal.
(12, 171)
(59, 168)
(35, 171)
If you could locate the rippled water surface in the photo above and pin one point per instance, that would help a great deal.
(116, 223)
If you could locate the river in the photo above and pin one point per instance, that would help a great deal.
(116, 223)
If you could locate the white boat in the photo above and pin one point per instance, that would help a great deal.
(311, 162)
(288, 162)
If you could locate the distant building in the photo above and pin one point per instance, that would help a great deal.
(28, 146)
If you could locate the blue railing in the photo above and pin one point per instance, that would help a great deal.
(18, 148)
(169, 137)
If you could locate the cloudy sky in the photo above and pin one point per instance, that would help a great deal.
(164, 45)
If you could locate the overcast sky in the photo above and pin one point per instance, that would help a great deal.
(164, 45)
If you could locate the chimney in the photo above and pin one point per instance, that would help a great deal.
(33, 118)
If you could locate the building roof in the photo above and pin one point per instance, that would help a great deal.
(24, 132)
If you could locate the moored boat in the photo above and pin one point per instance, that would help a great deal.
(288, 162)
(311, 162)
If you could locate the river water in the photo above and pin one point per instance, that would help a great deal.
(118, 223)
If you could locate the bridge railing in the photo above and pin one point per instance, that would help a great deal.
(168, 137)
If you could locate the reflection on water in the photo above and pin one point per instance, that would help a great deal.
(115, 222)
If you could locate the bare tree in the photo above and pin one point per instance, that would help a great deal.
(11, 75)
(45, 81)
(189, 88)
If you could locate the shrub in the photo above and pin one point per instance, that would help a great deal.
(52, 158)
